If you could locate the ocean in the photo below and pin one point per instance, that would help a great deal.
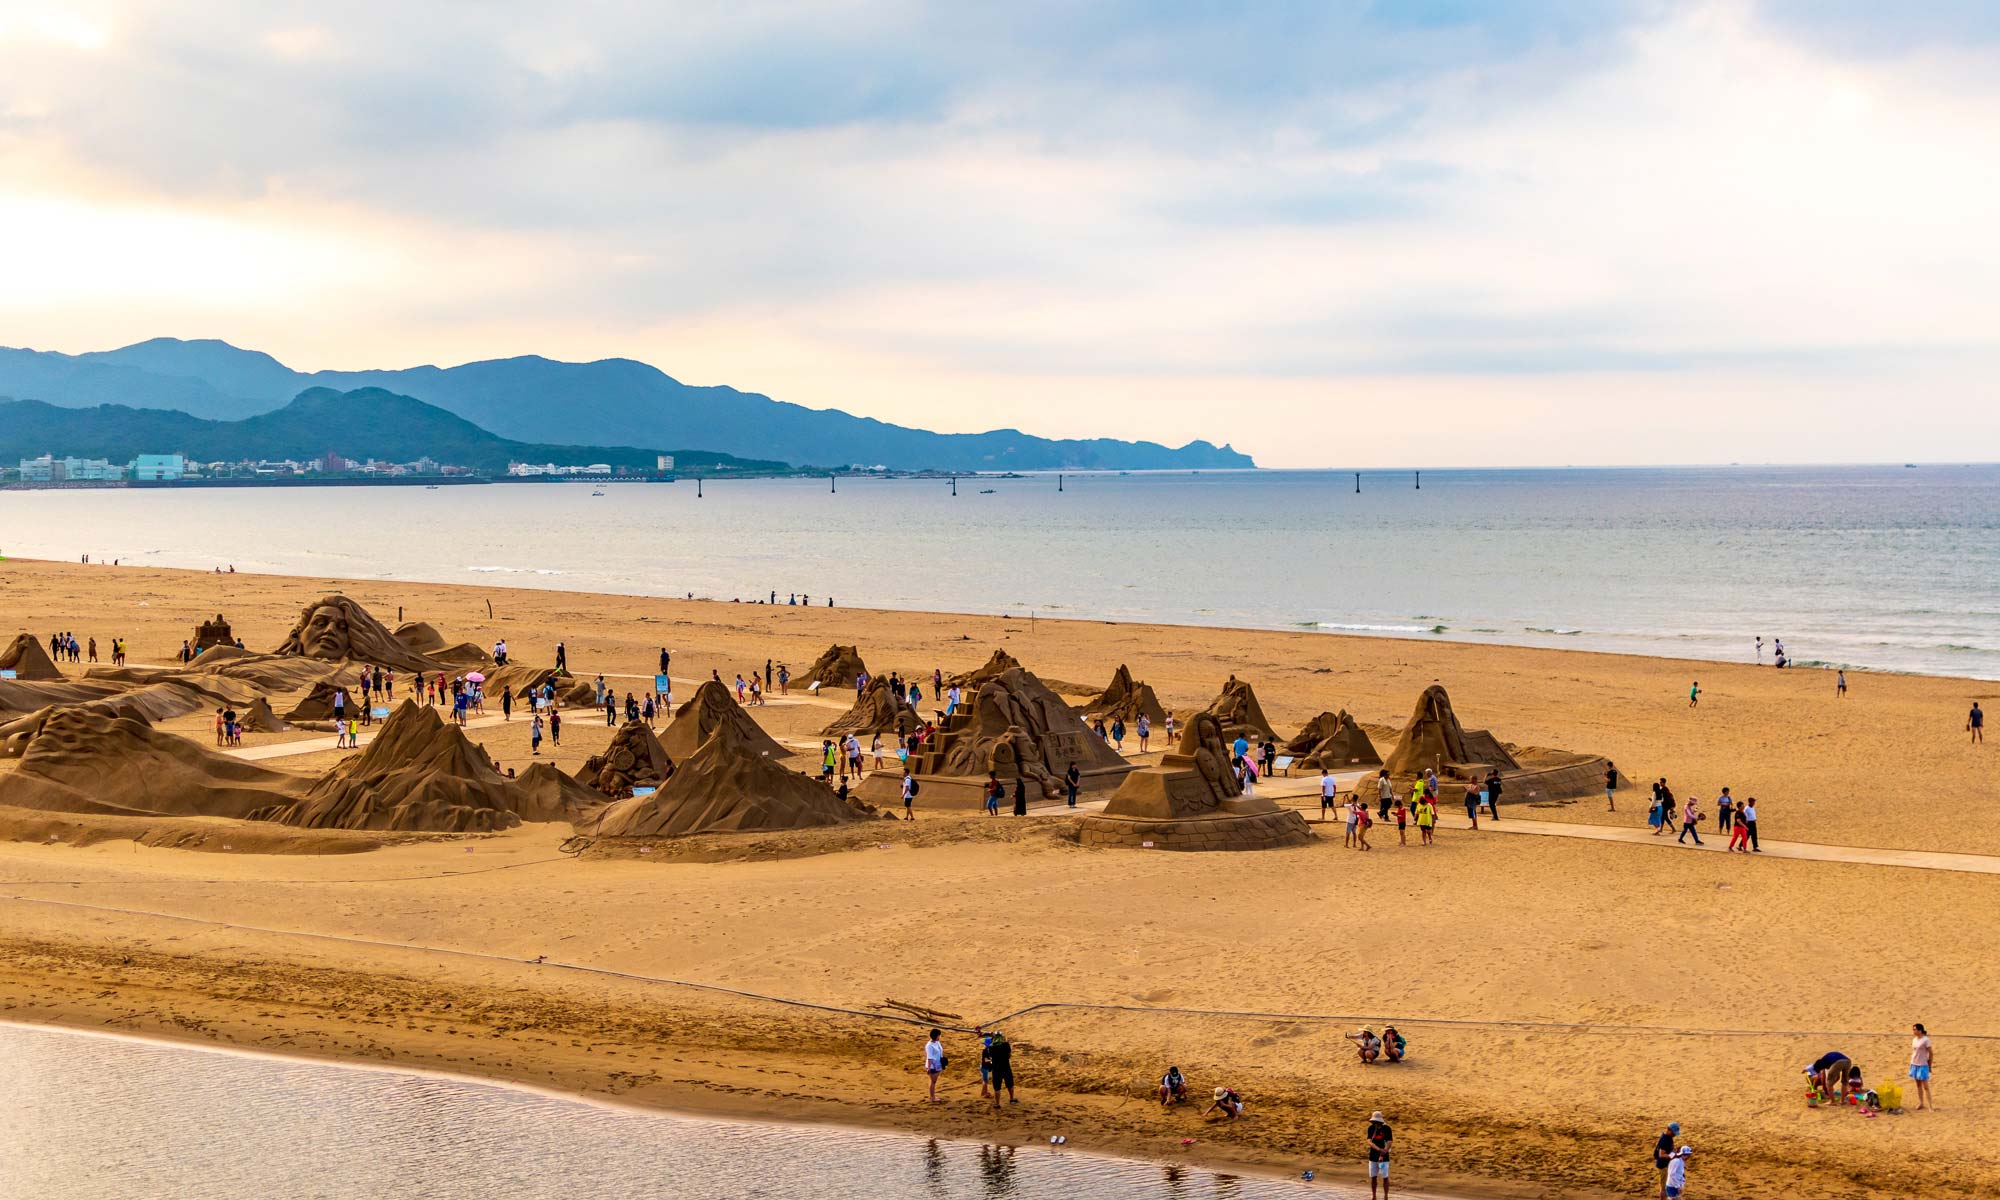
(1883, 568)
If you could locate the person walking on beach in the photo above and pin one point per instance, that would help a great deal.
(506, 705)
(1269, 753)
(1610, 787)
(1663, 1153)
(1739, 830)
(1379, 1136)
(1353, 822)
(1472, 805)
(1840, 685)
(1328, 789)
(1144, 730)
(562, 659)
(1118, 735)
(1661, 816)
(1690, 816)
(1020, 796)
(993, 793)
(1492, 789)
(1402, 816)
(1694, 694)
(1975, 723)
(1426, 822)
(934, 1061)
(1746, 820)
(535, 735)
(909, 795)
(1385, 790)
(1072, 780)
(1920, 1066)
(1002, 1054)
(1677, 1173)
(555, 726)
(1725, 811)
(610, 709)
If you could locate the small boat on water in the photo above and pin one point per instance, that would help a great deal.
(598, 492)
(986, 491)
(430, 487)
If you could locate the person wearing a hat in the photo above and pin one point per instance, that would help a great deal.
(1663, 1153)
(1379, 1137)
(1226, 1102)
(1366, 1043)
(1677, 1172)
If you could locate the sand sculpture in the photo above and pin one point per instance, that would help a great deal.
(840, 666)
(419, 774)
(317, 705)
(1014, 727)
(710, 708)
(1126, 701)
(333, 628)
(89, 760)
(257, 717)
(513, 677)
(1333, 741)
(213, 633)
(998, 665)
(876, 710)
(634, 758)
(727, 786)
(28, 659)
(420, 637)
(1191, 801)
(546, 789)
(1435, 740)
(579, 694)
(1237, 710)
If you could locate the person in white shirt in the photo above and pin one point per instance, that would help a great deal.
(1677, 1172)
(934, 1061)
(1328, 789)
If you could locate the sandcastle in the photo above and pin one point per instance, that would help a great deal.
(992, 668)
(1332, 741)
(1013, 727)
(421, 774)
(634, 758)
(28, 659)
(727, 786)
(1126, 700)
(212, 633)
(1434, 740)
(876, 710)
(1237, 711)
(334, 628)
(839, 667)
(92, 760)
(1192, 801)
(711, 708)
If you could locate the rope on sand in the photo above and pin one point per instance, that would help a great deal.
(991, 1022)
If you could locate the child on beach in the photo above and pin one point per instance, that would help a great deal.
(535, 735)
(1402, 816)
(1227, 1102)
(1426, 822)
(934, 1061)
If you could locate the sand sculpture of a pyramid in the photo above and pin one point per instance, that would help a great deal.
(1192, 801)
(709, 709)
(89, 760)
(1332, 741)
(1014, 727)
(421, 774)
(994, 667)
(634, 758)
(1435, 740)
(876, 710)
(727, 786)
(1236, 709)
(1126, 700)
(27, 658)
(839, 667)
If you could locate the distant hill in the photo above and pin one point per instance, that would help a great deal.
(614, 401)
(365, 423)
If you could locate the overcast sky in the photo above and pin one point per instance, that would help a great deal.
(1423, 233)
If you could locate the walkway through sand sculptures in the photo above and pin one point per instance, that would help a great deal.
(1306, 788)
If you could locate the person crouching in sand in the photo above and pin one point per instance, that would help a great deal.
(1226, 1102)
(1366, 1044)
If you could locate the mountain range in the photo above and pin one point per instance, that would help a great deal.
(361, 424)
(611, 402)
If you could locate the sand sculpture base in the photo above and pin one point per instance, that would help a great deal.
(1256, 831)
(884, 788)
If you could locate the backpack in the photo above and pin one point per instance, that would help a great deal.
(914, 788)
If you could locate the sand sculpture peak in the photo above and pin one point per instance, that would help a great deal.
(634, 758)
(1435, 739)
(876, 710)
(1192, 801)
(1236, 708)
(1333, 741)
(1126, 700)
(727, 786)
(840, 666)
(710, 708)
(90, 759)
(28, 659)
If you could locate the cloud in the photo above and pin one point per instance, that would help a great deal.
(1076, 219)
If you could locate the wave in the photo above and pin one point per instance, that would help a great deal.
(1347, 627)
(1558, 632)
(516, 571)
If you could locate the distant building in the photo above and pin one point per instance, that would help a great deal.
(331, 463)
(159, 468)
(40, 470)
(666, 462)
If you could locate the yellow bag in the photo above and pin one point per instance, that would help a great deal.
(1891, 1095)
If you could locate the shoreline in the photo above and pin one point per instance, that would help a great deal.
(727, 1115)
(546, 581)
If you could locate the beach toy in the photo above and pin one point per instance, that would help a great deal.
(1306, 1175)
(1187, 1141)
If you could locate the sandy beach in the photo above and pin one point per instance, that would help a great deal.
(1564, 997)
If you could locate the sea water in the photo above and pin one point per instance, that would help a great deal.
(1864, 567)
(90, 1117)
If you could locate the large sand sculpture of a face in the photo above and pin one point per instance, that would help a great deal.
(335, 628)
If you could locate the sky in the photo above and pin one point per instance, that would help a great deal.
(1426, 233)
